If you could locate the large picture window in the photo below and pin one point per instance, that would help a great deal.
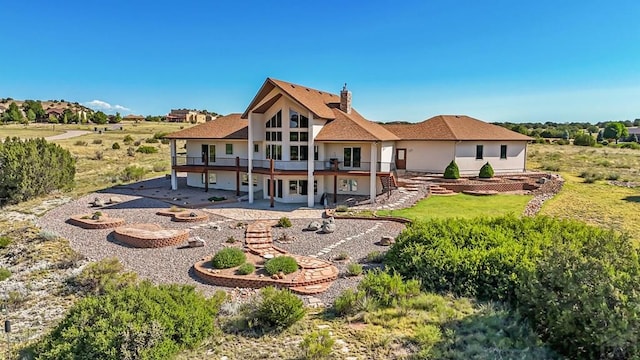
(273, 151)
(245, 179)
(352, 157)
(299, 152)
(297, 120)
(348, 185)
(212, 178)
(301, 187)
(275, 121)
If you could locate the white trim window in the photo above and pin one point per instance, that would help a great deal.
(245, 179)
(348, 185)
(212, 178)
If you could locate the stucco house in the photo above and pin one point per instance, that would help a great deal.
(295, 144)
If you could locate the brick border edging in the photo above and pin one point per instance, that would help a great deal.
(178, 217)
(244, 281)
(92, 225)
(139, 242)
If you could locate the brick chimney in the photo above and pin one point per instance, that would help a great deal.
(345, 100)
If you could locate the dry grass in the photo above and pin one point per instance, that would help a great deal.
(30, 131)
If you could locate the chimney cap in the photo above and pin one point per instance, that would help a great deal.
(344, 88)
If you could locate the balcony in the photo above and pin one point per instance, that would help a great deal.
(197, 163)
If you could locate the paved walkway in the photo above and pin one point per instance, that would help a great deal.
(67, 135)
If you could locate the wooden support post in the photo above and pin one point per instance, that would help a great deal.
(272, 182)
(335, 189)
(206, 172)
(237, 176)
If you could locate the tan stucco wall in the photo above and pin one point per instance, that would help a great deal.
(469, 165)
(427, 156)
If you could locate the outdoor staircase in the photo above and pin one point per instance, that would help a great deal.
(435, 189)
(389, 182)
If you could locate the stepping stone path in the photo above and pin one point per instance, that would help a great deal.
(330, 248)
(313, 276)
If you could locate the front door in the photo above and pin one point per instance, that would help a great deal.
(401, 159)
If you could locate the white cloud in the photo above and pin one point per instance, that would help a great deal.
(105, 106)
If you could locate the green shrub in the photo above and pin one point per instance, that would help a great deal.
(375, 257)
(137, 322)
(133, 173)
(342, 208)
(159, 167)
(131, 151)
(151, 141)
(137, 143)
(160, 135)
(5, 241)
(284, 222)
(4, 273)
(550, 167)
(452, 171)
(613, 176)
(486, 171)
(585, 300)
(228, 258)
(349, 302)
(97, 141)
(99, 155)
(354, 269)
(317, 344)
(26, 169)
(115, 146)
(590, 177)
(147, 150)
(388, 289)
(104, 275)
(630, 145)
(285, 264)
(246, 269)
(278, 309)
(127, 140)
(342, 256)
(80, 143)
(584, 140)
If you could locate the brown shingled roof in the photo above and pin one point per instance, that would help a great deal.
(231, 126)
(316, 101)
(453, 127)
(353, 127)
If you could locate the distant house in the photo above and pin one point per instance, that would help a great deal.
(3, 108)
(55, 112)
(132, 117)
(297, 144)
(191, 116)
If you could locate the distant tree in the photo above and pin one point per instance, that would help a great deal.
(566, 135)
(584, 140)
(36, 106)
(634, 138)
(592, 129)
(31, 115)
(600, 136)
(99, 118)
(636, 122)
(13, 114)
(615, 130)
(116, 119)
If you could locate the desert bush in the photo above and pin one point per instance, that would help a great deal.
(452, 171)
(165, 141)
(590, 177)
(317, 345)
(278, 309)
(584, 140)
(5, 241)
(80, 143)
(26, 169)
(550, 167)
(342, 208)
(342, 256)
(151, 141)
(228, 258)
(4, 273)
(160, 135)
(136, 322)
(104, 275)
(375, 257)
(97, 141)
(613, 176)
(354, 269)
(562, 142)
(285, 264)
(115, 146)
(246, 269)
(284, 222)
(486, 171)
(147, 150)
(99, 155)
(127, 140)
(349, 302)
(131, 151)
(630, 145)
(132, 173)
(159, 167)
(137, 143)
(387, 289)
(585, 300)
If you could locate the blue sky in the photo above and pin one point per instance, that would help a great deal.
(495, 60)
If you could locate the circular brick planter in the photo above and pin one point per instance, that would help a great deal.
(188, 216)
(150, 236)
(104, 222)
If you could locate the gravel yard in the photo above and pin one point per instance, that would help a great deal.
(173, 264)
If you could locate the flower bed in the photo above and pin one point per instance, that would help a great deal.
(86, 221)
(150, 236)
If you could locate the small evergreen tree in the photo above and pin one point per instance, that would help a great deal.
(452, 171)
(486, 171)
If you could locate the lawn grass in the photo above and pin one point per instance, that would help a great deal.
(599, 204)
(462, 206)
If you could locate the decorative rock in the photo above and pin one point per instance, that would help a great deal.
(387, 240)
(197, 242)
(542, 180)
(192, 214)
(314, 226)
(328, 228)
(95, 217)
(281, 275)
(275, 277)
(215, 227)
(114, 200)
(97, 202)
